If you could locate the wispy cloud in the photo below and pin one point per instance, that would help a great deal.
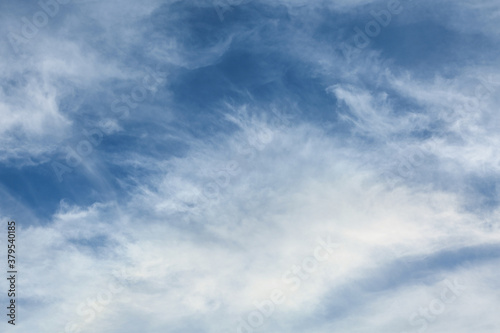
(204, 202)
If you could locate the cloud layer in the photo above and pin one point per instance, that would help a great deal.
(242, 166)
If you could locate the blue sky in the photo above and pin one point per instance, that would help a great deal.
(171, 164)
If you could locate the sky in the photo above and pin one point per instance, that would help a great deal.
(252, 166)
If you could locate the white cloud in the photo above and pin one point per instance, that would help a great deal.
(215, 262)
(205, 235)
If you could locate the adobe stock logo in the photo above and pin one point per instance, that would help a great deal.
(31, 26)
(121, 107)
(292, 281)
(75, 157)
(90, 309)
(222, 6)
(381, 18)
(437, 306)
